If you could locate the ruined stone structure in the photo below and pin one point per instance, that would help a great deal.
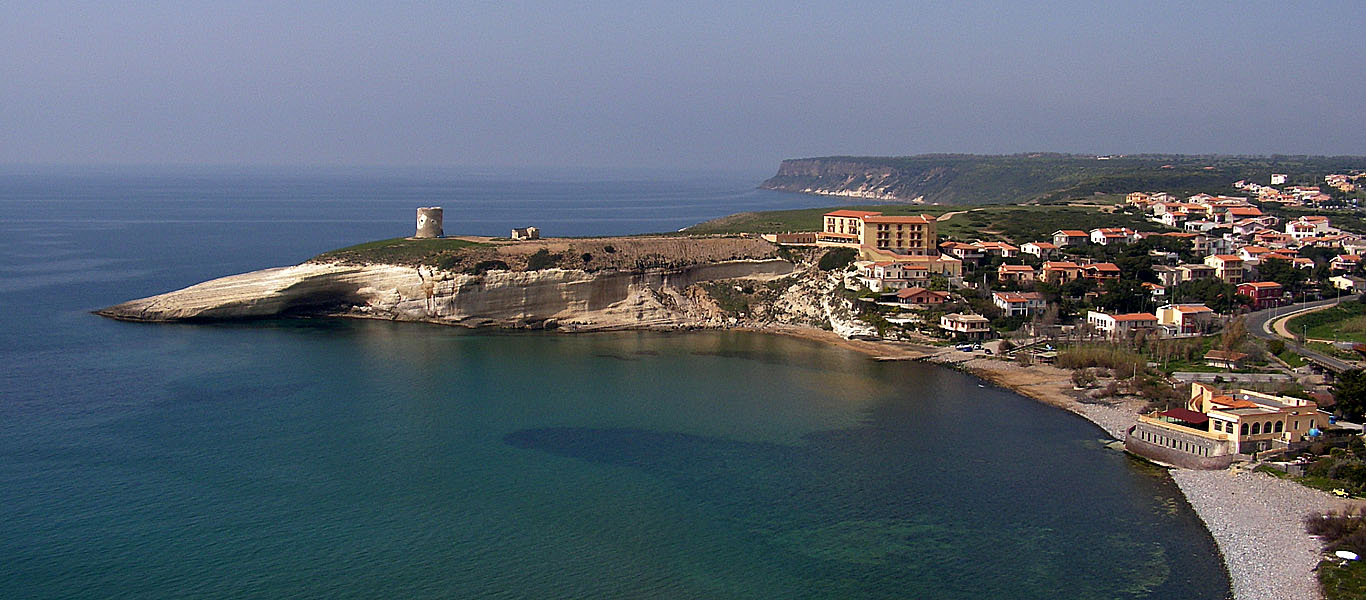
(429, 223)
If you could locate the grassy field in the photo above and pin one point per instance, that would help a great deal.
(1289, 357)
(1018, 224)
(397, 251)
(1345, 322)
(1342, 581)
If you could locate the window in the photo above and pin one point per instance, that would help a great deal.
(1244, 429)
(1280, 426)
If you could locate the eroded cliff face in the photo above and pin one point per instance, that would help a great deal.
(852, 178)
(563, 298)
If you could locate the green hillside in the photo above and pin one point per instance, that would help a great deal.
(956, 179)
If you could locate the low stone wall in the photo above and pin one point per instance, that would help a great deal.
(1188, 376)
(1177, 448)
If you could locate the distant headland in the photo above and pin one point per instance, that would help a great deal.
(1036, 177)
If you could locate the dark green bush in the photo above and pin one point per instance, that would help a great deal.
(542, 259)
(837, 258)
(485, 266)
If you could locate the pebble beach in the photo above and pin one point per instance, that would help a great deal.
(1256, 519)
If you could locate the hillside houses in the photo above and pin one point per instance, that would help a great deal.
(1039, 250)
(1185, 319)
(1007, 273)
(1227, 248)
(1070, 237)
(1120, 325)
(1019, 303)
(888, 276)
(1105, 236)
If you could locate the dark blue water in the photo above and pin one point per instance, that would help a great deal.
(330, 459)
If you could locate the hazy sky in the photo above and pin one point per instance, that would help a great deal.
(670, 84)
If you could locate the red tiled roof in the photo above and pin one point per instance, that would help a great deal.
(854, 214)
(1018, 296)
(1182, 414)
(1135, 317)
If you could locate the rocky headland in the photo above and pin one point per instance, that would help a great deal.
(576, 285)
(1041, 177)
(679, 282)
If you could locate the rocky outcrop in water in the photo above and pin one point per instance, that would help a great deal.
(566, 298)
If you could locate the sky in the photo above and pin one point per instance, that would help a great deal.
(657, 85)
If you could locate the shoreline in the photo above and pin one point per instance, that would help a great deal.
(1255, 519)
(1220, 499)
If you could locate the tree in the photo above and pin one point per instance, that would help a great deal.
(1234, 336)
(1220, 296)
(1123, 295)
(1350, 393)
(1284, 273)
(837, 258)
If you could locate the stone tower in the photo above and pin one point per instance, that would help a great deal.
(429, 223)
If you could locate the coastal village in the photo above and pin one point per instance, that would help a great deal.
(1226, 338)
(1170, 306)
(1219, 335)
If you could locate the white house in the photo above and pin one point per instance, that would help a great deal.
(1019, 303)
(1116, 326)
(1113, 235)
(1043, 250)
(890, 276)
(970, 326)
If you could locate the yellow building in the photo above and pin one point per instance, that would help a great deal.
(913, 236)
(842, 228)
(904, 235)
(1216, 428)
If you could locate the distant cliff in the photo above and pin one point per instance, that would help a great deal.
(976, 179)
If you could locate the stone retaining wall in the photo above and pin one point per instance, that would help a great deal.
(1176, 448)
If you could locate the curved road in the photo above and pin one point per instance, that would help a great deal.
(1259, 324)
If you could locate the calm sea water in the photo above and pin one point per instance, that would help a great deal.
(332, 459)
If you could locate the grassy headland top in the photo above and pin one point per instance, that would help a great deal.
(1045, 178)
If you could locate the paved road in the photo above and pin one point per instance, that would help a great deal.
(1258, 324)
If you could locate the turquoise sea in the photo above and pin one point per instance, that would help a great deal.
(356, 459)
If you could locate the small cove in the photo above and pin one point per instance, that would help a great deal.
(363, 459)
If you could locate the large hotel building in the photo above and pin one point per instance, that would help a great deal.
(906, 235)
